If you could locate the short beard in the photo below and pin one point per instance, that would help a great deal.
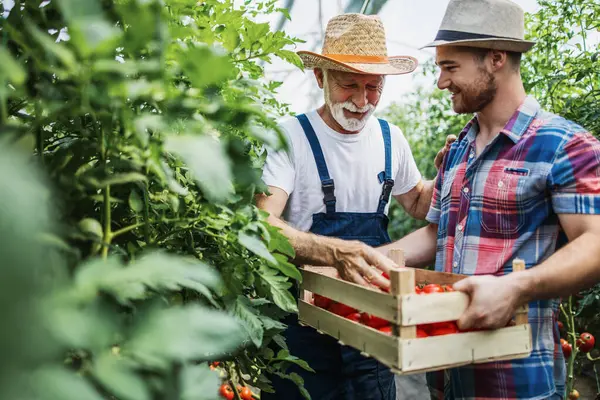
(337, 110)
(477, 96)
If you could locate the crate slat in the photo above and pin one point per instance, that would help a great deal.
(364, 299)
(433, 353)
(437, 307)
(374, 344)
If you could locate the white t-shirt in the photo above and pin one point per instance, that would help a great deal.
(353, 160)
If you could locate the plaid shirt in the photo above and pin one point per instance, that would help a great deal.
(501, 205)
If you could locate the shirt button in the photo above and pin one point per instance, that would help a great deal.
(459, 227)
(466, 190)
(471, 155)
(455, 264)
(500, 184)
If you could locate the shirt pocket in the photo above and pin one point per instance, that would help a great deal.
(504, 196)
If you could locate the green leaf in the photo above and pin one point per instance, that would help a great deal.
(87, 27)
(290, 57)
(208, 162)
(119, 376)
(279, 242)
(135, 201)
(284, 355)
(62, 53)
(115, 179)
(10, 70)
(280, 340)
(278, 287)
(287, 268)
(243, 309)
(270, 323)
(159, 338)
(199, 379)
(54, 383)
(256, 246)
(91, 227)
(204, 67)
(158, 271)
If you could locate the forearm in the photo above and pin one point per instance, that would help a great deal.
(573, 268)
(420, 206)
(310, 249)
(418, 247)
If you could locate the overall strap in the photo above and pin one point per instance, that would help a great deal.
(327, 184)
(386, 176)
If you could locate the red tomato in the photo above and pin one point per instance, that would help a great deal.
(386, 329)
(586, 342)
(566, 348)
(421, 333)
(373, 321)
(226, 392)
(443, 331)
(385, 275)
(322, 301)
(245, 393)
(574, 395)
(448, 288)
(353, 317)
(341, 309)
(432, 288)
(560, 326)
(443, 328)
(418, 290)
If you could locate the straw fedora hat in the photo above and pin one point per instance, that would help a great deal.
(490, 24)
(356, 43)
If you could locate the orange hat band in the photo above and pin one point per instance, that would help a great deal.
(351, 58)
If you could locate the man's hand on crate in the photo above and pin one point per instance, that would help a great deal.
(359, 263)
(493, 301)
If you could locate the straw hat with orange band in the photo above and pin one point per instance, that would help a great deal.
(356, 43)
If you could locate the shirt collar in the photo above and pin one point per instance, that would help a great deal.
(516, 126)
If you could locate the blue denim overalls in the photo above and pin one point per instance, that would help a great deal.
(341, 372)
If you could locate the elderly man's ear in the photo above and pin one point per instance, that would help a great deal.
(319, 75)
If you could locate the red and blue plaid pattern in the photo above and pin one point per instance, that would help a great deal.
(502, 205)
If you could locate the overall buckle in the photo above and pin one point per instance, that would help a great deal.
(388, 184)
(328, 188)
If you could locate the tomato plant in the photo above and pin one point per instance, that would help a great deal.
(148, 122)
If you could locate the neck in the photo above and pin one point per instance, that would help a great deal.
(327, 117)
(494, 117)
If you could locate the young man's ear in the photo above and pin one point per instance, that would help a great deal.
(319, 75)
(499, 59)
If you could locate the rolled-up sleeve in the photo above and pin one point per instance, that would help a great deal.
(574, 178)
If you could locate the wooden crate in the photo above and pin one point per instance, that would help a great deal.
(403, 352)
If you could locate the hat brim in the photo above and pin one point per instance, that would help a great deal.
(395, 66)
(516, 45)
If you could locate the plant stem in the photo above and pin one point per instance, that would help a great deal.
(573, 341)
(231, 382)
(127, 229)
(107, 233)
(597, 380)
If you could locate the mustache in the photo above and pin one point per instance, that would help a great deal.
(350, 106)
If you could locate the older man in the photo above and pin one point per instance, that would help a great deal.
(333, 189)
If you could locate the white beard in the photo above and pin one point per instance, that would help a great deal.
(337, 111)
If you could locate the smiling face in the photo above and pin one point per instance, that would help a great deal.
(465, 75)
(350, 98)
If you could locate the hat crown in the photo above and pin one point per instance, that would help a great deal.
(495, 18)
(355, 34)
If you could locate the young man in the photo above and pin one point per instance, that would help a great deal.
(334, 186)
(516, 178)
